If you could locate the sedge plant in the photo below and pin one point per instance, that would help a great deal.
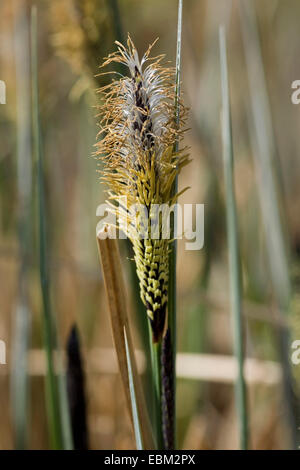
(140, 162)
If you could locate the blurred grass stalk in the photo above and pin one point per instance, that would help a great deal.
(58, 417)
(114, 8)
(265, 155)
(21, 332)
(233, 244)
(265, 159)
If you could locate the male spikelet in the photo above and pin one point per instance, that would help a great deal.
(136, 145)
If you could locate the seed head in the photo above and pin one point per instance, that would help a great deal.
(136, 145)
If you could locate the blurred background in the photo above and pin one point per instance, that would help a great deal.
(73, 37)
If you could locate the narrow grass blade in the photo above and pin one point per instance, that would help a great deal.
(172, 259)
(233, 244)
(19, 378)
(135, 414)
(51, 383)
(21, 332)
(115, 290)
(173, 249)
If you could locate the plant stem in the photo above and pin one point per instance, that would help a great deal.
(156, 359)
(51, 384)
(168, 396)
(156, 369)
(233, 244)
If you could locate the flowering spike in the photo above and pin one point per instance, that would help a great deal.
(136, 145)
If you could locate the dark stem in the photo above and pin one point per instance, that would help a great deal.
(168, 392)
(75, 391)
